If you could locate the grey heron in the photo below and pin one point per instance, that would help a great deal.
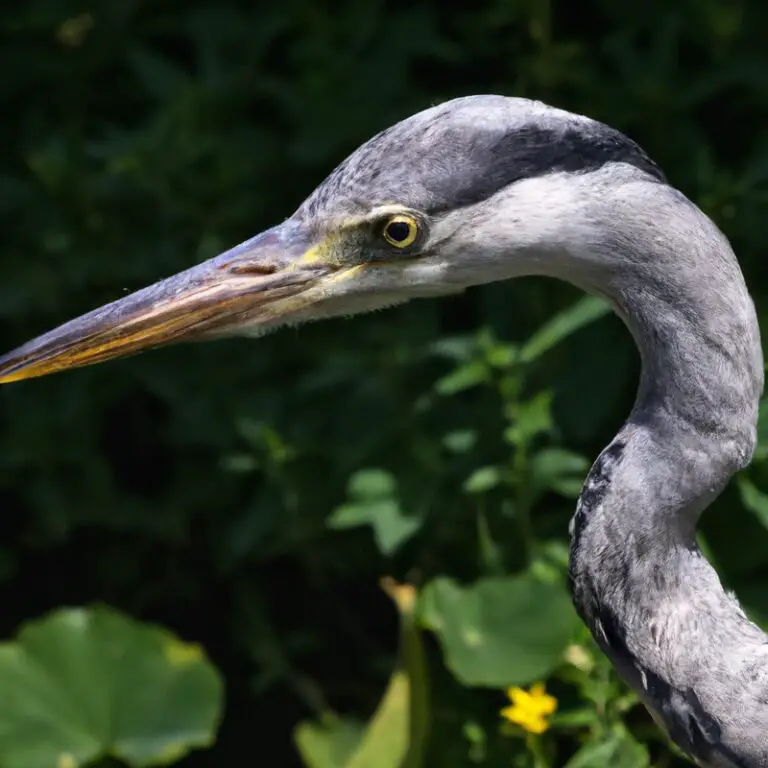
(486, 188)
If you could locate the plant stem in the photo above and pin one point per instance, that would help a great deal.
(536, 748)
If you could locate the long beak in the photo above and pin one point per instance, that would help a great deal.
(263, 282)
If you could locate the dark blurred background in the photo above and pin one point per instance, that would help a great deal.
(191, 486)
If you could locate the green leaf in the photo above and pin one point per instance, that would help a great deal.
(595, 754)
(559, 470)
(530, 418)
(499, 631)
(385, 743)
(500, 355)
(575, 718)
(396, 735)
(85, 683)
(373, 491)
(482, 480)
(477, 739)
(753, 499)
(351, 516)
(582, 313)
(761, 451)
(619, 750)
(458, 348)
(491, 556)
(391, 528)
(371, 484)
(240, 463)
(464, 377)
(327, 745)
(460, 441)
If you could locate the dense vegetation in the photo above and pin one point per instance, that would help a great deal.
(250, 496)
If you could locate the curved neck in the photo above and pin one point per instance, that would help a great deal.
(702, 364)
(650, 599)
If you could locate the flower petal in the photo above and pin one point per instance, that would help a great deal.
(514, 715)
(536, 725)
(509, 713)
(519, 697)
(546, 705)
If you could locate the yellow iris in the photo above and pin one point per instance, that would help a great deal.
(529, 709)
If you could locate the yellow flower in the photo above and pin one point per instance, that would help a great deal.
(530, 708)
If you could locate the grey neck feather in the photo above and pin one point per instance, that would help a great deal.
(651, 600)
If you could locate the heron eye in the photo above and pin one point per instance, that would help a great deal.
(401, 231)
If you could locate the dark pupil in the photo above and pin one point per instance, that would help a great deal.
(398, 231)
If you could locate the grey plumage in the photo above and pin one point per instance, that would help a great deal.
(505, 187)
(432, 159)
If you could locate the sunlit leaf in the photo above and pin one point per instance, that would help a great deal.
(458, 348)
(618, 750)
(499, 631)
(585, 311)
(501, 355)
(352, 515)
(391, 527)
(475, 734)
(530, 418)
(80, 684)
(482, 480)
(464, 377)
(395, 737)
(375, 503)
(329, 744)
(595, 754)
(575, 718)
(371, 484)
(397, 733)
(240, 463)
(460, 441)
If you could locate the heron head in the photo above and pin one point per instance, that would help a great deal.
(428, 206)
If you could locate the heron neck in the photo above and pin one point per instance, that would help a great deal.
(650, 599)
(679, 289)
(702, 365)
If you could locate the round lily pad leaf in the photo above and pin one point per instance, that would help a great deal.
(84, 683)
(499, 631)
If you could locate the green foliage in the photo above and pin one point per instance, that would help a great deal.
(397, 732)
(82, 684)
(330, 744)
(374, 502)
(500, 631)
(561, 326)
(251, 494)
(616, 750)
(752, 497)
